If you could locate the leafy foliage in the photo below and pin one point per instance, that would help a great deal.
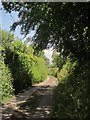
(52, 71)
(6, 80)
(66, 70)
(58, 61)
(25, 68)
(64, 24)
(7, 38)
(39, 70)
(71, 96)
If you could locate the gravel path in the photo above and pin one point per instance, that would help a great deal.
(32, 104)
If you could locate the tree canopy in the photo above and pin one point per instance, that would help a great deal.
(65, 25)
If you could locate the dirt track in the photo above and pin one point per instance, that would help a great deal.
(32, 104)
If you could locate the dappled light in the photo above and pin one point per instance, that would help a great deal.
(46, 76)
(36, 102)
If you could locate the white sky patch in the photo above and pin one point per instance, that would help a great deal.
(48, 53)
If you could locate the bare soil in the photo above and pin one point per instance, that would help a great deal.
(33, 104)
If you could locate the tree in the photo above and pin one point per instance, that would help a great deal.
(64, 24)
(58, 61)
(7, 38)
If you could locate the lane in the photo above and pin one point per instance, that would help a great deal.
(43, 110)
(33, 103)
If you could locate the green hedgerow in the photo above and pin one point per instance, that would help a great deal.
(6, 81)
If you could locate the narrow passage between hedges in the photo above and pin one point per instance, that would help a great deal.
(34, 103)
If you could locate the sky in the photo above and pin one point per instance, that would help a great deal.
(48, 54)
(6, 20)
